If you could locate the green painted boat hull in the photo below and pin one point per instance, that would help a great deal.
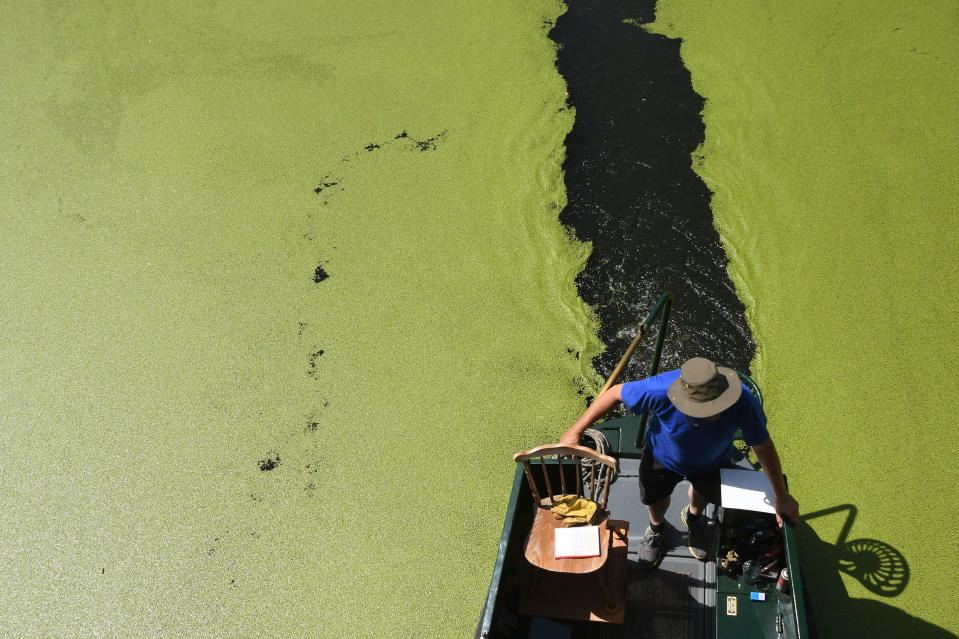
(779, 616)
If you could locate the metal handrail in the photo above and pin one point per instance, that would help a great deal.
(662, 309)
(752, 385)
(663, 306)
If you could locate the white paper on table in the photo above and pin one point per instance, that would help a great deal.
(573, 543)
(746, 490)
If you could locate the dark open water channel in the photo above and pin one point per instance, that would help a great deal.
(633, 193)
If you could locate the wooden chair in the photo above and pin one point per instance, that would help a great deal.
(592, 477)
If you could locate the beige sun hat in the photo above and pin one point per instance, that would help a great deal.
(704, 389)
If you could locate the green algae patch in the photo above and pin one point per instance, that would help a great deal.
(831, 148)
(284, 289)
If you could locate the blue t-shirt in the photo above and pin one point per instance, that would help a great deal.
(688, 445)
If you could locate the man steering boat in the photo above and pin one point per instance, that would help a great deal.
(694, 415)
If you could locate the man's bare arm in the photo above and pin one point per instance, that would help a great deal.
(597, 409)
(786, 505)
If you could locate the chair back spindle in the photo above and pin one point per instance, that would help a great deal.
(579, 477)
(562, 479)
(549, 485)
(529, 478)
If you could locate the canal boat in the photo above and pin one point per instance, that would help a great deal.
(750, 586)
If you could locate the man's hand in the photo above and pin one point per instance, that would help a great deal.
(787, 506)
(570, 437)
(596, 410)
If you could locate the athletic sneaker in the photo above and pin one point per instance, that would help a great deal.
(650, 549)
(698, 534)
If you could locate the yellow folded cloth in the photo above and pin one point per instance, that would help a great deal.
(574, 510)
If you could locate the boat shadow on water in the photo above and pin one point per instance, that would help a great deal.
(878, 566)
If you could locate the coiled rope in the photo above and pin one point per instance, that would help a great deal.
(592, 438)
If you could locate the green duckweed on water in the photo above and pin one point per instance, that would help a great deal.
(284, 288)
(832, 147)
